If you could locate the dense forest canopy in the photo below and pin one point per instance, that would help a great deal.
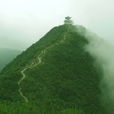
(60, 75)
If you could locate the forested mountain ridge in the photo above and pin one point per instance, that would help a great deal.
(6, 56)
(59, 73)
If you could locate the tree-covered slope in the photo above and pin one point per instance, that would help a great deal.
(6, 56)
(55, 71)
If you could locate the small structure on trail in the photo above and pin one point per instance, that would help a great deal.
(68, 20)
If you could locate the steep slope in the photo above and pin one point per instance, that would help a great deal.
(6, 56)
(55, 71)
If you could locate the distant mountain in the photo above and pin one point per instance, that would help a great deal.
(54, 74)
(6, 56)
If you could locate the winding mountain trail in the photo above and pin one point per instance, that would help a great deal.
(24, 75)
(34, 64)
(19, 82)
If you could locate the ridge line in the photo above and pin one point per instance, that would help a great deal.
(31, 66)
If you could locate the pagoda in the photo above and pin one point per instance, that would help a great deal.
(68, 20)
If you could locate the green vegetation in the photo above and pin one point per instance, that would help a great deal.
(23, 108)
(65, 81)
(6, 56)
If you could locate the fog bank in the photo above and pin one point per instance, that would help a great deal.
(103, 52)
(23, 22)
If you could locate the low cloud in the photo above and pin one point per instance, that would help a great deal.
(103, 52)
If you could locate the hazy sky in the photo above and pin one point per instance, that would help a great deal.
(23, 22)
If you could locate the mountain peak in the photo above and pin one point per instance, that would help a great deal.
(55, 71)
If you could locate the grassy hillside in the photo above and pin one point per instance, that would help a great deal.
(60, 75)
(6, 56)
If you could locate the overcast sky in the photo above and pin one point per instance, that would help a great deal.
(23, 22)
